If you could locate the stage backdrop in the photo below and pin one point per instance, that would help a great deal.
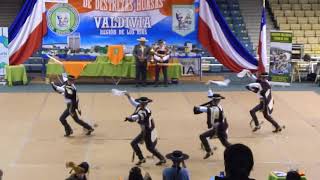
(4, 53)
(88, 24)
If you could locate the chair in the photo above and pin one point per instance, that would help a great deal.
(299, 13)
(284, 26)
(298, 33)
(306, 26)
(296, 7)
(313, 40)
(281, 20)
(292, 20)
(307, 47)
(317, 13)
(288, 13)
(309, 13)
(302, 20)
(306, 7)
(316, 26)
(283, 1)
(318, 33)
(317, 72)
(303, 1)
(285, 6)
(315, 6)
(302, 40)
(313, 1)
(293, 1)
(273, 1)
(299, 68)
(295, 26)
(309, 33)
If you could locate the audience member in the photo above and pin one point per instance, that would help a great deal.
(238, 162)
(293, 175)
(135, 174)
(80, 171)
(176, 172)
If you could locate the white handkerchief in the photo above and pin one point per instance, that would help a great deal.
(117, 92)
(242, 73)
(221, 83)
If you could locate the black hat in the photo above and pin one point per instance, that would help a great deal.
(177, 156)
(71, 77)
(84, 166)
(216, 96)
(265, 74)
(160, 41)
(143, 100)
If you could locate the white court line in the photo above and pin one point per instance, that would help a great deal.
(28, 136)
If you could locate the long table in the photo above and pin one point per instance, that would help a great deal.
(16, 74)
(106, 69)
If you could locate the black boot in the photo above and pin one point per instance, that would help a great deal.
(278, 129)
(68, 133)
(89, 131)
(141, 161)
(208, 154)
(162, 161)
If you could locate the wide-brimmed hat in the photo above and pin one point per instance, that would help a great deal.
(84, 166)
(177, 156)
(71, 77)
(216, 96)
(143, 100)
(160, 41)
(143, 39)
(265, 74)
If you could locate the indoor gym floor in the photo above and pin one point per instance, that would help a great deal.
(33, 147)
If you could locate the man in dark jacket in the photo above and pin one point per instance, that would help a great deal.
(141, 52)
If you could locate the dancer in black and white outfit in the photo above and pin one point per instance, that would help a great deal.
(69, 91)
(216, 121)
(263, 88)
(142, 115)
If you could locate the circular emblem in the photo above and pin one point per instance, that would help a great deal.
(63, 19)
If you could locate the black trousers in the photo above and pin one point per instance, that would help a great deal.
(164, 71)
(141, 72)
(265, 113)
(222, 135)
(151, 147)
(73, 114)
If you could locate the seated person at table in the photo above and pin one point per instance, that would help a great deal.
(238, 162)
(161, 57)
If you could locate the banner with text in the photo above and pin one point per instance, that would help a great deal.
(280, 55)
(88, 25)
(4, 53)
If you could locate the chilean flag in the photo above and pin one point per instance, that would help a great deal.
(27, 31)
(262, 47)
(216, 36)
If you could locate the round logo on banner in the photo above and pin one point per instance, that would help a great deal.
(63, 19)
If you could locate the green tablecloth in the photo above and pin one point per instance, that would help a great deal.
(125, 69)
(272, 176)
(16, 74)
